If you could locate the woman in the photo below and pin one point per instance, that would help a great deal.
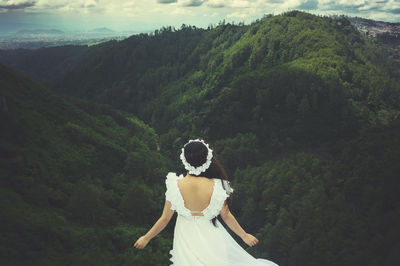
(198, 198)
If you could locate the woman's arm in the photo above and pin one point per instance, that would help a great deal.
(157, 227)
(230, 221)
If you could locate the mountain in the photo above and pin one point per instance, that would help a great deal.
(75, 180)
(103, 29)
(303, 112)
(9, 26)
(278, 77)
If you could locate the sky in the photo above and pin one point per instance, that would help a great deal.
(148, 15)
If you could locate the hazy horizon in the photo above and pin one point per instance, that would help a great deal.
(146, 16)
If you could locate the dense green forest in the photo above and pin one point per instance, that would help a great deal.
(303, 112)
(75, 178)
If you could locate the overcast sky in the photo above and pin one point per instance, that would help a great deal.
(147, 15)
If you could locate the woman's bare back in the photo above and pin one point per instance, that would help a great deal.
(196, 192)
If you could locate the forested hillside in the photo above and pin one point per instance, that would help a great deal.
(289, 78)
(302, 112)
(79, 181)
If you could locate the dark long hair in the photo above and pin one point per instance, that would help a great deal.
(196, 155)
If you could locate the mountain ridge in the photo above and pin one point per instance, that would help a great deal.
(174, 68)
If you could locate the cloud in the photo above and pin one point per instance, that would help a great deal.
(216, 3)
(166, 1)
(12, 5)
(236, 3)
(237, 15)
(193, 2)
(51, 5)
(395, 11)
(276, 1)
(184, 2)
(242, 3)
(308, 5)
(359, 6)
(91, 3)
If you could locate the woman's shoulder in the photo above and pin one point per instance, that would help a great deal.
(171, 181)
(173, 176)
(172, 193)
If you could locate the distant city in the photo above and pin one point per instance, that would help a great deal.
(373, 28)
(37, 38)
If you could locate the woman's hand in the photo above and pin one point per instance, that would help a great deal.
(166, 216)
(250, 239)
(141, 243)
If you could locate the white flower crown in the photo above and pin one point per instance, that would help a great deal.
(196, 170)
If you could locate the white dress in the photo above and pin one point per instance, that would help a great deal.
(196, 240)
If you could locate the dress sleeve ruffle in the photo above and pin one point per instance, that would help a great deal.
(217, 200)
(228, 187)
(173, 195)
